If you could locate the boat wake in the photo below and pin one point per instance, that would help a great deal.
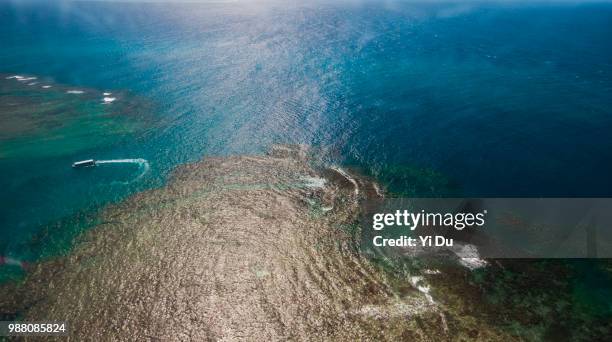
(6, 260)
(143, 165)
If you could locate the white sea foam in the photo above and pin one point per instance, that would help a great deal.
(377, 189)
(107, 94)
(431, 271)
(32, 83)
(46, 86)
(469, 256)
(75, 92)
(348, 177)
(21, 78)
(143, 164)
(109, 99)
(314, 182)
(419, 284)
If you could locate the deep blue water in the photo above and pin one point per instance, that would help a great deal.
(433, 99)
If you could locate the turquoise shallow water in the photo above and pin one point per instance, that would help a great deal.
(442, 99)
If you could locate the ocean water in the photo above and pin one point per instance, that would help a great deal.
(432, 99)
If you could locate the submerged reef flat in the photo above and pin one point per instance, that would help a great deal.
(234, 248)
(40, 118)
